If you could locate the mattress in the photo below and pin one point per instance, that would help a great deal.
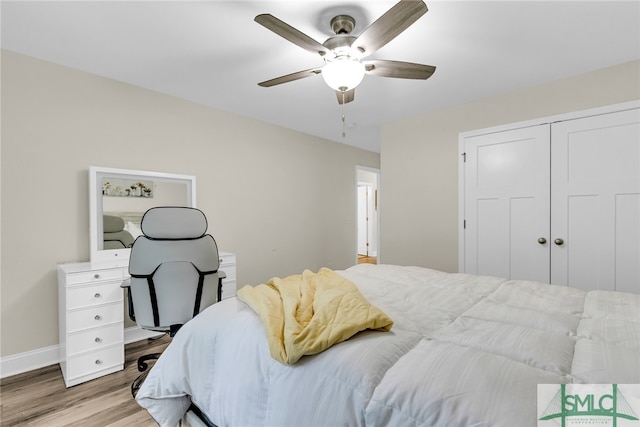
(464, 350)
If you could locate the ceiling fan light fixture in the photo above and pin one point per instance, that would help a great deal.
(342, 52)
(343, 74)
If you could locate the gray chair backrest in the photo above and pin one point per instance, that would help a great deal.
(115, 236)
(173, 268)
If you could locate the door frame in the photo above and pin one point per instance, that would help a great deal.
(377, 186)
(512, 126)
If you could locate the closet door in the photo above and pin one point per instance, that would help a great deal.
(506, 204)
(595, 231)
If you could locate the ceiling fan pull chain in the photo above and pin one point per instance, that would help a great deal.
(344, 132)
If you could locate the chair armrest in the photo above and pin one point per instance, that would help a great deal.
(126, 284)
(221, 275)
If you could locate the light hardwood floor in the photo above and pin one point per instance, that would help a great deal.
(39, 398)
(364, 259)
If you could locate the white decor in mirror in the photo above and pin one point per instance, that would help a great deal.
(117, 200)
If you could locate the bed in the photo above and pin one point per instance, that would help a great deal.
(464, 350)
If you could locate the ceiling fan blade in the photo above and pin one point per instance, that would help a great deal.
(291, 77)
(388, 26)
(398, 69)
(345, 97)
(293, 35)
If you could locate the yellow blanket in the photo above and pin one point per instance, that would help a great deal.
(308, 313)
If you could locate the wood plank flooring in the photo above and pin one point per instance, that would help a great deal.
(364, 259)
(39, 398)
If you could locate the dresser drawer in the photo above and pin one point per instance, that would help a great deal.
(99, 315)
(94, 276)
(226, 257)
(95, 339)
(228, 289)
(83, 296)
(230, 271)
(95, 361)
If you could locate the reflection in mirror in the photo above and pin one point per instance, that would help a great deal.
(118, 199)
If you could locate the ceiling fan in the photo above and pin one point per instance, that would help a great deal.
(343, 53)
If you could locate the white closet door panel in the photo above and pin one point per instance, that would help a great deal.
(526, 265)
(595, 170)
(583, 260)
(491, 250)
(507, 204)
(628, 243)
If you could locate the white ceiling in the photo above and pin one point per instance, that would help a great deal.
(213, 53)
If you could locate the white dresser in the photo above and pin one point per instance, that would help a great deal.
(228, 265)
(91, 317)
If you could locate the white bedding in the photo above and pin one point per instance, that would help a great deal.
(464, 351)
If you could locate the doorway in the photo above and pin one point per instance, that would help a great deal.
(368, 215)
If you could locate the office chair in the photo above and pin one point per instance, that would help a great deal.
(174, 273)
(115, 236)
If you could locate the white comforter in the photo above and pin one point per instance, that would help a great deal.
(464, 351)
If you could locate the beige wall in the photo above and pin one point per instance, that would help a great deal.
(281, 200)
(419, 159)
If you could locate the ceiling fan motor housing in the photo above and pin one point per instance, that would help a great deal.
(342, 24)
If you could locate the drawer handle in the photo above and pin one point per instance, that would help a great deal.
(96, 276)
(98, 362)
(98, 340)
(98, 317)
(97, 295)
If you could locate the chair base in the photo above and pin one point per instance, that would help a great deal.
(142, 367)
(142, 361)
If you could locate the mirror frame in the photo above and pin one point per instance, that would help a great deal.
(120, 257)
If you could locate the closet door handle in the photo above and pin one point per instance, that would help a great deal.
(559, 242)
(542, 240)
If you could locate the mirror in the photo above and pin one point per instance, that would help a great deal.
(117, 200)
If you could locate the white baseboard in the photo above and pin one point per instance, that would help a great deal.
(47, 356)
(136, 333)
(29, 360)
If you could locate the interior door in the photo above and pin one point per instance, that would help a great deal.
(507, 204)
(596, 202)
(363, 219)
